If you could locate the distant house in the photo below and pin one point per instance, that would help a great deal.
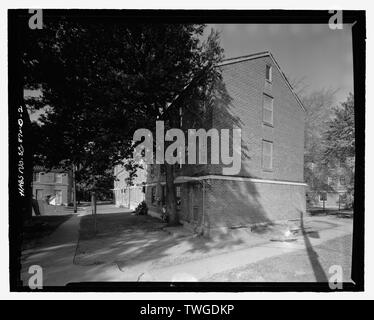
(333, 191)
(128, 193)
(256, 97)
(54, 186)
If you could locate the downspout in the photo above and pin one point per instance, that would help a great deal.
(203, 222)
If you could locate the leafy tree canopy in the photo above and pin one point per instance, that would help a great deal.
(100, 81)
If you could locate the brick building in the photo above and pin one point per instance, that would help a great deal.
(254, 95)
(54, 185)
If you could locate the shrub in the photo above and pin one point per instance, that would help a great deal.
(164, 215)
(141, 209)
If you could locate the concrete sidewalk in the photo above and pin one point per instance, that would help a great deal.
(106, 209)
(55, 254)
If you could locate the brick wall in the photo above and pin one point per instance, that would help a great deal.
(232, 203)
(245, 85)
(239, 103)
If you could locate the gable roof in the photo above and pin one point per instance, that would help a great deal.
(38, 168)
(261, 55)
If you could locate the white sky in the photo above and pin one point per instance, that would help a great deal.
(312, 51)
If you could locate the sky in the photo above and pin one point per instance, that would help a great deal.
(313, 52)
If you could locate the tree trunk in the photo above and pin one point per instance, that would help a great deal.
(74, 191)
(35, 206)
(93, 206)
(171, 198)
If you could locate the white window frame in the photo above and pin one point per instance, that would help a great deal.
(264, 107)
(60, 175)
(153, 195)
(329, 181)
(271, 155)
(39, 176)
(270, 79)
(36, 175)
(344, 181)
(320, 196)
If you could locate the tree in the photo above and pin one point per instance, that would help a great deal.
(340, 135)
(99, 82)
(339, 142)
(196, 95)
(319, 106)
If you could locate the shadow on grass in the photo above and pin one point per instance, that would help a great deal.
(129, 240)
(319, 273)
(38, 227)
(330, 212)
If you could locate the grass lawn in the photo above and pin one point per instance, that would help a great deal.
(296, 266)
(39, 227)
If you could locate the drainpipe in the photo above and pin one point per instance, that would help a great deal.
(203, 206)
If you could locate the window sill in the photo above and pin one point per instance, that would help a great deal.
(268, 124)
(267, 170)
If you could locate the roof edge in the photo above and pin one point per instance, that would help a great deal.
(243, 58)
(260, 55)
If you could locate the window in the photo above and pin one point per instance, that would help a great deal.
(268, 73)
(323, 196)
(195, 213)
(180, 117)
(162, 169)
(342, 181)
(178, 195)
(267, 155)
(58, 178)
(153, 194)
(58, 197)
(178, 191)
(163, 195)
(35, 176)
(267, 113)
(329, 181)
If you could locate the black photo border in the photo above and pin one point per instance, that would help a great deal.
(18, 205)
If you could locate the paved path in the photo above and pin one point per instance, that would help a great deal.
(55, 254)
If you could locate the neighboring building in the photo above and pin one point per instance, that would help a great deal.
(256, 97)
(332, 188)
(128, 194)
(54, 186)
